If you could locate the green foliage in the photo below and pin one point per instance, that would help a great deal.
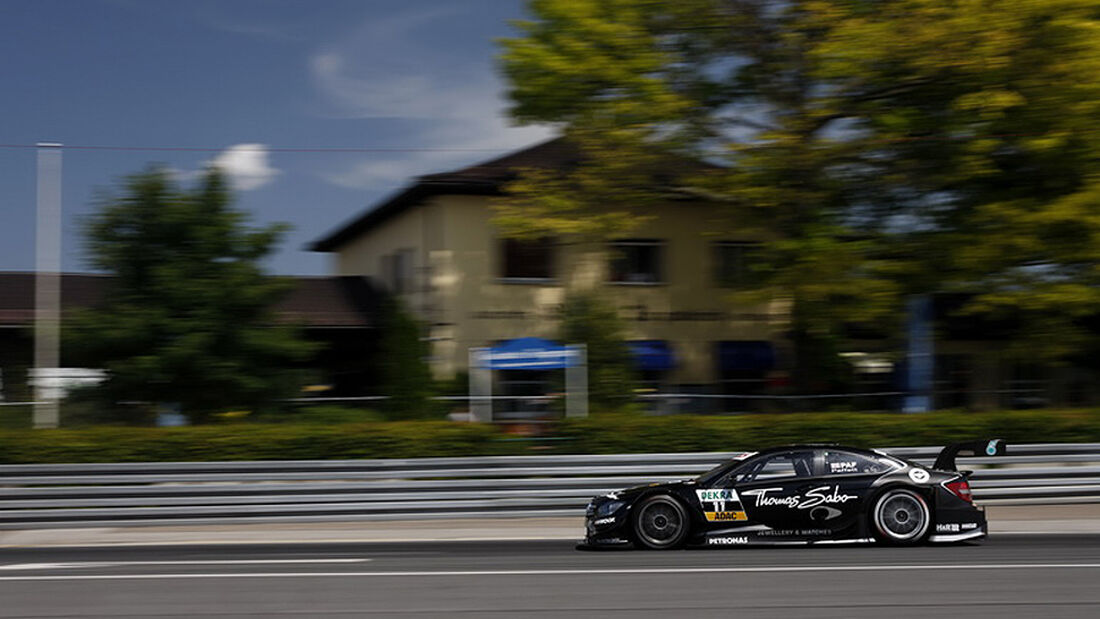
(684, 433)
(92, 406)
(16, 417)
(329, 414)
(818, 366)
(420, 439)
(587, 320)
(882, 150)
(404, 372)
(187, 316)
(601, 434)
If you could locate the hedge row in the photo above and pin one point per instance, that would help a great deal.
(596, 435)
(750, 432)
(252, 442)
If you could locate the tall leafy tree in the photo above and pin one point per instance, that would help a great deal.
(881, 148)
(589, 320)
(187, 317)
(405, 376)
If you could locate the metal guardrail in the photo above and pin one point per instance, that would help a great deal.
(127, 494)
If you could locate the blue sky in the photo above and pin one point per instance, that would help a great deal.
(247, 79)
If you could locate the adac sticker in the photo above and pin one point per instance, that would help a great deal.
(725, 516)
(918, 475)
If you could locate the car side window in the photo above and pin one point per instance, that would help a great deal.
(848, 463)
(788, 465)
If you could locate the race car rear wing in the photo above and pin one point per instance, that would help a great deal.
(946, 460)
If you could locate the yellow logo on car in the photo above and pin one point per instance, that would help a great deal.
(725, 516)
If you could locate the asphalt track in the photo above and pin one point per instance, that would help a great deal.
(1008, 576)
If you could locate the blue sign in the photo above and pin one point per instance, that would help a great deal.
(527, 353)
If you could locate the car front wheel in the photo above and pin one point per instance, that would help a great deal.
(660, 522)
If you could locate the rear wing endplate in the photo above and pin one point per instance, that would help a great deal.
(946, 460)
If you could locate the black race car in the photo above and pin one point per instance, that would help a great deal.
(798, 494)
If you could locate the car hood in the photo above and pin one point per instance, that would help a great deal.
(634, 491)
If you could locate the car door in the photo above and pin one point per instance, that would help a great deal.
(846, 479)
(773, 491)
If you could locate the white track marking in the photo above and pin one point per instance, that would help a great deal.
(87, 564)
(577, 572)
(303, 542)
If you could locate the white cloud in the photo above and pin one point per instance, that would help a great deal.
(452, 106)
(447, 145)
(428, 94)
(246, 166)
(371, 173)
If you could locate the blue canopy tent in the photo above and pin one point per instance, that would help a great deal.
(653, 355)
(528, 353)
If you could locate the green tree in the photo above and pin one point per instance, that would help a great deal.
(881, 148)
(187, 315)
(611, 377)
(402, 361)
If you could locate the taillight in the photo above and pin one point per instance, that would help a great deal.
(960, 489)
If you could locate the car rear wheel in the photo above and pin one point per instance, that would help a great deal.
(901, 516)
(660, 522)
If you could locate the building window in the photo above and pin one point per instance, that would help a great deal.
(527, 259)
(396, 271)
(636, 261)
(733, 263)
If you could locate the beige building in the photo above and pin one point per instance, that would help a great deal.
(433, 244)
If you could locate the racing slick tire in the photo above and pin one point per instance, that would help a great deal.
(660, 523)
(900, 517)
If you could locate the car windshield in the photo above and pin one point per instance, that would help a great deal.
(726, 464)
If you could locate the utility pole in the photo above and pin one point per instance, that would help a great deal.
(921, 356)
(47, 285)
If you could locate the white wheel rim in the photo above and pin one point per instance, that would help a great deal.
(901, 516)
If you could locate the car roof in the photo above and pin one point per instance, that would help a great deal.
(798, 446)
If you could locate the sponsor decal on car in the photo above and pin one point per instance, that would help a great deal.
(725, 516)
(842, 467)
(603, 521)
(719, 499)
(919, 476)
(794, 533)
(728, 540)
(955, 527)
(823, 512)
(812, 498)
(717, 494)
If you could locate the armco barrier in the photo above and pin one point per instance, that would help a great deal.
(126, 494)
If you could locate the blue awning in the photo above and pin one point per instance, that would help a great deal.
(527, 353)
(748, 356)
(652, 355)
